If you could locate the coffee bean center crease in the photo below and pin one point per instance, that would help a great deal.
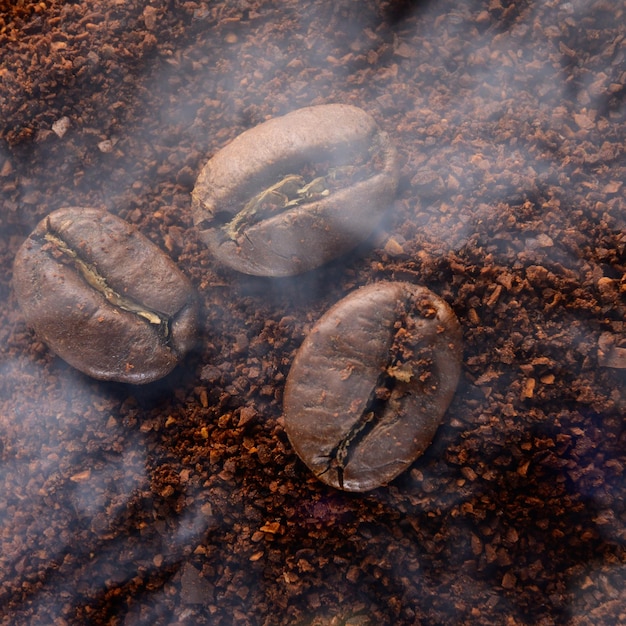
(375, 410)
(91, 275)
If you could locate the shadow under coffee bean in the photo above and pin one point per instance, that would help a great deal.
(296, 191)
(371, 382)
(105, 298)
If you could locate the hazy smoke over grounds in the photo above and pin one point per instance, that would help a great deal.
(485, 61)
(455, 176)
(455, 158)
(58, 472)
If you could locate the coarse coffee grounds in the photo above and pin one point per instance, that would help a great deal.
(182, 501)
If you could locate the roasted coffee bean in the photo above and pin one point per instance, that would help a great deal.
(103, 297)
(296, 191)
(371, 383)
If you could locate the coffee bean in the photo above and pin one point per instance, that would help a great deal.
(103, 297)
(371, 383)
(296, 191)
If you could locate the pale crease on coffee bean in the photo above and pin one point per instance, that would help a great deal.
(371, 383)
(103, 297)
(259, 215)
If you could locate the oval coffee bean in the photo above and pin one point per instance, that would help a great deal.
(371, 383)
(103, 297)
(296, 191)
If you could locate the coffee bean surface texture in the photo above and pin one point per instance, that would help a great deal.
(371, 382)
(297, 191)
(103, 297)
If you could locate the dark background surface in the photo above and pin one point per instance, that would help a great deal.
(182, 502)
